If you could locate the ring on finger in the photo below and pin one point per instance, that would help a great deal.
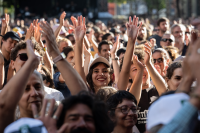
(198, 50)
(36, 116)
(55, 117)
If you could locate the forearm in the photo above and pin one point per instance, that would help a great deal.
(157, 79)
(115, 68)
(86, 64)
(136, 87)
(1, 75)
(94, 45)
(79, 59)
(3, 32)
(72, 79)
(86, 42)
(48, 63)
(124, 74)
(57, 32)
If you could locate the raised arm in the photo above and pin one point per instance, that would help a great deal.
(62, 17)
(157, 79)
(72, 79)
(12, 92)
(136, 87)
(1, 71)
(79, 33)
(4, 26)
(92, 41)
(88, 58)
(132, 32)
(114, 61)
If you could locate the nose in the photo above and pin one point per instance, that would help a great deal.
(130, 112)
(33, 92)
(81, 123)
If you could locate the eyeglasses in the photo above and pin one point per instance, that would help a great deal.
(187, 32)
(159, 60)
(165, 40)
(126, 109)
(23, 56)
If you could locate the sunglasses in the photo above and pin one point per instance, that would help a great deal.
(187, 32)
(165, 40)
(159, 60)
(23, 56)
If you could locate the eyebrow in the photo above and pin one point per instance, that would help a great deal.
(77, 115)
(178, 76)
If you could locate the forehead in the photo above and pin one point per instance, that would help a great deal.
(22, 51)
(126, 102)
(101, 66)
(79, 109)
(157, 55)
(34, 79)
(105, 46)
(178, 28)
(178, 72)
(166, 36)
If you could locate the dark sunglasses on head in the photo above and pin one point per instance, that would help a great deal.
(23, 56)
(165, 40)
(159, 60)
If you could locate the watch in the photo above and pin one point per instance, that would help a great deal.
(115, 58)
(59, 57)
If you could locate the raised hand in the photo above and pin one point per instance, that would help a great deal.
(35, 22)
(37, 34)
(49, 121)
(90, 36)
(69, 27)
(137, 63)
(74, 21)
(50, 39)
(29, 32)
(80, 29)
(147, 58)
(62, 17)
(5, 21)
(133, 28)
(115, 46)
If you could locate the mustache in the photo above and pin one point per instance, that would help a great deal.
(81, 130)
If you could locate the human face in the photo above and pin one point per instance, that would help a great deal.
(175, 80)
(100, 75)
(70, 56)
(18, 63)
(111, 38)
(63, 45)
(188, 33)
(142, 34)
(79, 119)
(163, 63)
(179, 34)
(164, 26)
(9, 44)
(105, 51)
(33, 94)
(167, 43)
(145, 77)
(72, 39)
(122, 119)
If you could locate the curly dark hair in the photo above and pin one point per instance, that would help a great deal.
(105, 36)
(99, 110)
(117, 98)
(172, 51)
(89, 77)
(104, 42)
(47, 76)
(67, 50)
(22, 45)
(172, 67)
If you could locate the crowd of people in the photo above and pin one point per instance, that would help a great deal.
(85, 77)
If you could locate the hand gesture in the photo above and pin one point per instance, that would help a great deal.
(50, 39)
(62, 17)
(35, 22)
(147, 58)
(137, 63)
(5, 21)
(69, 27)
(133, 28)
(153, 42)
(74, 21)
(90, 36)
(80, 29)
(29, 32)
(37, 34)
(115, 46)
(49, 121)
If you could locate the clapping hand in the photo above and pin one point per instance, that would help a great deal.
(80, 29)
(5, 21)
(147, 58)
(62, 17)
(115, 46)
(29, 32)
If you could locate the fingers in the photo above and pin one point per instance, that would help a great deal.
(134, 20)
(140, 25)
(50, 112)
(58, 111)
(130, 21)
(62, 129)
(34, 110)
(43, 110)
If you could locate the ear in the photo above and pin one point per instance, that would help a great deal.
(99, 54)
(111, 116)
(12, 63)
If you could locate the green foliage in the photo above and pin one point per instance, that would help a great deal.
(155, 4)
(118, 1)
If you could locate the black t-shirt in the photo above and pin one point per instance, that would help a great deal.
(158, 39)
(184, 50)
(147, 98)
(6, 62)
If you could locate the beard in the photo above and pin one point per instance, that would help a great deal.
(140, 38)
(80, 130)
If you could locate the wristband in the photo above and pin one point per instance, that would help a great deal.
(115, 58)
(59, 57)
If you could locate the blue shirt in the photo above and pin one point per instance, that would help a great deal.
(183, 122)
(62, 87)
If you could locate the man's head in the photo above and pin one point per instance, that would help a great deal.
(69, 53)
(71, 38)
(104, 49)
(167, 40)
(142, 34)
(19, 56)
(178, 30)
(62, 43)
(188, 32)
(109, 37)
(83, 114)
(9, 41)
(163, 24)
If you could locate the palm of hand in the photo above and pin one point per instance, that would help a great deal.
(132, 31)
(79, 32)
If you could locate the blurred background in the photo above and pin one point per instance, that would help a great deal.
(102, 10)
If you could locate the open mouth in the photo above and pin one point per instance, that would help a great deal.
(144, 76)
(101, 79)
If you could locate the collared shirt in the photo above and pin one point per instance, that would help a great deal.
(183, 122)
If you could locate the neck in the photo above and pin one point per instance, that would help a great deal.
(139, 41)
(120, 129)
(160, 33)
(25, 114)
(145, 86)
(5, 54)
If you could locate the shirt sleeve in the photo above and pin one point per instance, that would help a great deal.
(183, 122)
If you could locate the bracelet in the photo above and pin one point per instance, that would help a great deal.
(115, 58)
